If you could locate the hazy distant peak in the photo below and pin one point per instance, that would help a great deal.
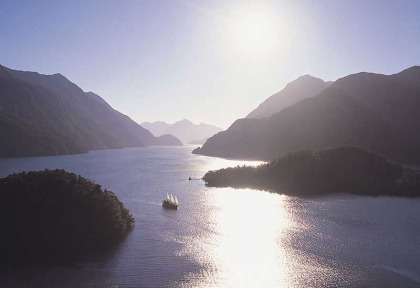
(156, 122)
(303, 87)
(183, 129)
(157, 128)
(304, 80)
(307, 77)
(185, 122)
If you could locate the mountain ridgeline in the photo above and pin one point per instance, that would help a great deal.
(49, 115)
(304, 87)
(185, 130)
(338, 170)
(372, 111)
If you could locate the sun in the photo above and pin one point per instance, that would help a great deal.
(254, 31)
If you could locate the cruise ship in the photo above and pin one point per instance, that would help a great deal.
(170, 202)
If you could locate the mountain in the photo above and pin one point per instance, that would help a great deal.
(49, 115)
(157, 128)
(185, 130)
(304, 87)
(371, 111)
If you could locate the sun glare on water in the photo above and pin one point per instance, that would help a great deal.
(244, 247)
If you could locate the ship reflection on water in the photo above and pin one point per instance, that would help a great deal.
(223, 237)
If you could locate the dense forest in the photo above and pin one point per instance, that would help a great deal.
(54, 215)
(338, 170)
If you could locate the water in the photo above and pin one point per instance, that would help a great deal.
(222, 237)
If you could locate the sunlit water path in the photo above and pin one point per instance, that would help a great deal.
(222, 237)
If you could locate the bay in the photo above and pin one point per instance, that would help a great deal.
(223, 237)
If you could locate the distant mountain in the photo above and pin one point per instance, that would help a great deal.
(304, 87)
(371, 111)
(157, 128)
(49, 115)
(185, 130)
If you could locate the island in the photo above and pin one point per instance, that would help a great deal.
(54, 215)
(344, 169)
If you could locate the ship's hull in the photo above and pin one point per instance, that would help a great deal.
(169, 205)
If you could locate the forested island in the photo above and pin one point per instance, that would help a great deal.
(337, 170)
(54, 215)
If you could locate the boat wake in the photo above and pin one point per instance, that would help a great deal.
(407, 274)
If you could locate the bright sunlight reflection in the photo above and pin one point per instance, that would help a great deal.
(219, 163)
(245, 247)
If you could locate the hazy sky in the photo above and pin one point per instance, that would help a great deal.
(208, 61)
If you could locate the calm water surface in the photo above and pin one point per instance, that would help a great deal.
(222, 237)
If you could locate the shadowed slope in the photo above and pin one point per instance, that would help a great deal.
(72, 121)
(299, 89)
(372, 111)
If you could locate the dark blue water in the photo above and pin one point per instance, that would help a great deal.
(222, 237)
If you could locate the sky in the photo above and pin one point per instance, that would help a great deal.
(206, 61)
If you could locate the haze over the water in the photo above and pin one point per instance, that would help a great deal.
(207, 61)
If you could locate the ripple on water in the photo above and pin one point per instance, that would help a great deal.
(232, 237)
